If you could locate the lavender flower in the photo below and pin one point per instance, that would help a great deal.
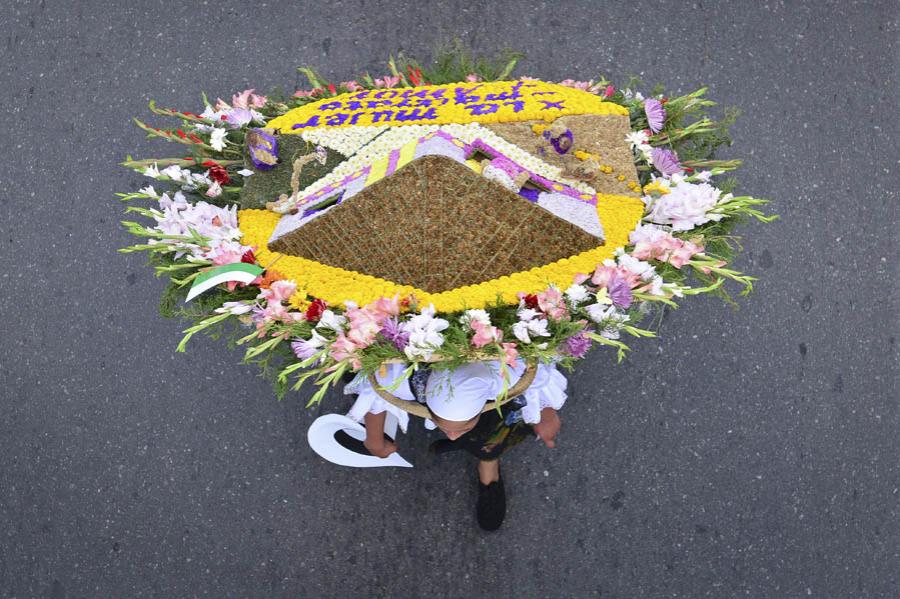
(619, 292)
(665, 161)
(577, 345)
(656, 114)
(390, 330)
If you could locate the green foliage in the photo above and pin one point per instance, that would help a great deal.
(453, 62)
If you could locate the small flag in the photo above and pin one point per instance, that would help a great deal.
(238, 271)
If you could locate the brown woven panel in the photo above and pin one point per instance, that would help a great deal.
(601, 134)
(436, 225)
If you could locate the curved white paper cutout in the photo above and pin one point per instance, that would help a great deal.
(321, 439)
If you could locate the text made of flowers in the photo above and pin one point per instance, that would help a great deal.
(500, 101)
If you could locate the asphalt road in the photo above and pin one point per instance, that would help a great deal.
(748, 453)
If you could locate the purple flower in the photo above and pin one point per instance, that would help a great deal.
(656, 114)
(665, 161)
(390, 330)
(238, 117)
(577, 345)
(304, 348)
(619, 292)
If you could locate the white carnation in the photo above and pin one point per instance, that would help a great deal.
(686, 206)
(577, 293)
(217, 139)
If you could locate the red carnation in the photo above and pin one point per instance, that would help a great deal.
(218, 174)
(531, 301)
(248, 257)
(314, 312)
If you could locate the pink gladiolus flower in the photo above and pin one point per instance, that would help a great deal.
(580, 278)
(473, 78)
(343, 349)
(553, 304)
(388, 81)
(352, 86)
(227, 252)
(603, 274)
(302, 93)
(610, 90)
(510, 354)
(652, 242)
(247, 99)
(718, 264)
(582, 85)
(484, 333)
(385, 307)
(364, 326)
(278, 291)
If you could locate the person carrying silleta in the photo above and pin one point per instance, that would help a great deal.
(455, 400)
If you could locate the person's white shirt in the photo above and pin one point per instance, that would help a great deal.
(547, 390)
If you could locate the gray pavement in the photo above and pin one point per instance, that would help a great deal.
(748, 453)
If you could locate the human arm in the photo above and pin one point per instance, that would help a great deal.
(375, 442)
(548, 427)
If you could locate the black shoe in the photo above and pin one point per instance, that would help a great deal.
(491, 507)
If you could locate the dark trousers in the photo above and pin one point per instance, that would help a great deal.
(491, 437)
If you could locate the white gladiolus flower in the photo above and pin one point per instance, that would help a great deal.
(174, 172)
(524, 330)
(245, 172)
(528, 313)
(234, 308)
(151, 171)
(332, 321)
(424, 334)
(470, 316)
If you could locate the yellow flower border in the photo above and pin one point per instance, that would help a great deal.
(619, 215)
(353, 109)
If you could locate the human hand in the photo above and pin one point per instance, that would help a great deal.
(380, 450)
(548, 427)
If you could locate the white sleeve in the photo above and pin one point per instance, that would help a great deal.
(369, 402)
(548, 390)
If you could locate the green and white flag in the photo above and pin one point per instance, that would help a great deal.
(237, 271)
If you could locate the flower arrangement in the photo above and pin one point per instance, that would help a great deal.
(668, 232)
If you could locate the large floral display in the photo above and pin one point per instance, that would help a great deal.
(437, 215)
